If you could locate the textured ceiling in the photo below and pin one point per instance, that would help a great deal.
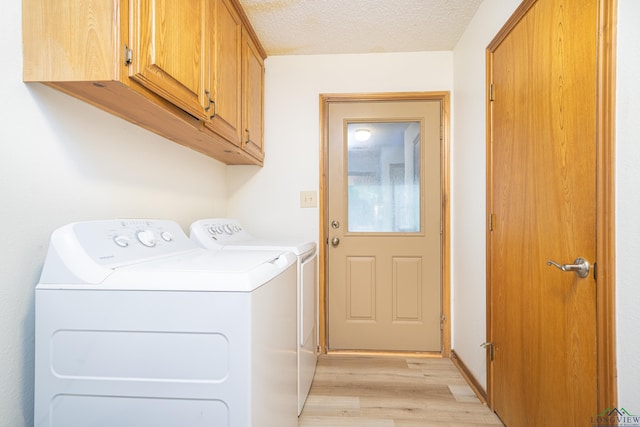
(309, 27)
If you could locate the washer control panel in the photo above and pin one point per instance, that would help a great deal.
(116, 242)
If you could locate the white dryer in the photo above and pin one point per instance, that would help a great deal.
(226, 233)
(138, 326)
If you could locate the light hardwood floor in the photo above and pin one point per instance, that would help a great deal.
(386, 391)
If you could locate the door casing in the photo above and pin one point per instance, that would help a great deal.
(605, 197)
(325, 100)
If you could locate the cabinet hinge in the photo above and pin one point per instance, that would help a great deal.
(128, 56)
(491, 347)
(490, 91)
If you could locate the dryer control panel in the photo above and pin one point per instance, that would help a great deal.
(218, 231)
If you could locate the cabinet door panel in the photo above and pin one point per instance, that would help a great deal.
(225, 76)
(169, 54)
(253, 98)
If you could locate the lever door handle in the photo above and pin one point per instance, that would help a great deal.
(580, 266)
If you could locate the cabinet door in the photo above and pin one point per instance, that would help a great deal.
(169, 55)
(225, 78)
(252, 97)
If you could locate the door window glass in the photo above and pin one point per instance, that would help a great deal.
(383, 177)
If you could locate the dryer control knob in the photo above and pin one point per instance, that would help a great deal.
(166, 236)
(228, 229)
(147, 238)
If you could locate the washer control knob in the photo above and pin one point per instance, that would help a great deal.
(211, 229)
(228, 229)
(122, 241)
(166, 236)
(147, 238)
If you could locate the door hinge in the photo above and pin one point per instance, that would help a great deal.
(492, 221)
(443, 318)
(128, 56)
(595, 271)
(490, 91)
(491, 348)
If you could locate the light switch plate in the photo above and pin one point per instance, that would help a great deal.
(308, 199)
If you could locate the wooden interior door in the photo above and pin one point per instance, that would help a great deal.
(542, 207)
(385, 221)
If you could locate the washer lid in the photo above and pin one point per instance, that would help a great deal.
(198, 270)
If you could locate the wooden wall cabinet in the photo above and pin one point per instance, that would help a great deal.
(252, 97)
(168, 52)
(225, 76)
(174, 67)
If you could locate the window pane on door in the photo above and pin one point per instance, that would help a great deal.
(383, 177)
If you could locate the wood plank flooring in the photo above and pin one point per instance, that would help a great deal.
(381, 391)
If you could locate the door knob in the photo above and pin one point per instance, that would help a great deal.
(580, 266)
(335, 241)
(491, 348)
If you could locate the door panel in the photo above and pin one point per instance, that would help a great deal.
(169, 55)
(543, 204)
(384, 207)
(225, 78)
(407, 289)
(253, 98)
(361, 289)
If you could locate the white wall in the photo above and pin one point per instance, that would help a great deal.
(61, 161)
(267, 200)
(468, 207)
(628, 205)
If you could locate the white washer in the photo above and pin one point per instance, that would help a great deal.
(226, 233)
(138, 326)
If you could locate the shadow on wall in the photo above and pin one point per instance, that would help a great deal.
(242, 175)
(100, 147)
(28, 359)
